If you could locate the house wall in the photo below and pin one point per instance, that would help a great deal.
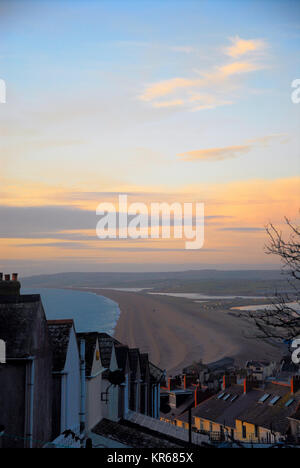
(113, 403)
(104, 405)
(295, 429)
(15, 391)
(42, 413)
(70, 403)
(113, 393)
(266, 436)
(93, 393)
(206, 425)
(216, 430)
(251, 435)
(182, 424)
(262, 435)
(93, 401)
(56, 405)
(126, 394)
(12, 403)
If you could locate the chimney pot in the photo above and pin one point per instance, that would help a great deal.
(1, 276)
(7, 277)
(15, 276)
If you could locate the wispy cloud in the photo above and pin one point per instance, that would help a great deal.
(229, 152)
(241, 46)
(205, 82)
(215, 154)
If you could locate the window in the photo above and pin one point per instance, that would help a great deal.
(210, 427)
(274, 400)
(226, 397)
(288, 403)
(264, 397)
(221, 396)
(234, 398)
(244, 431)
(201, 425)
(256, 432)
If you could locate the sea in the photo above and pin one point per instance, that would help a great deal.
(89, 311)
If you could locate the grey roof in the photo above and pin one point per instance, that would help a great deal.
(106, 343)
(272, 417)
(90, 347)
(175, 413)
(144, 360)
(18, 322)
(225, 412)
(60, 336)
(248, 408)
(121, 355)
(134, 359)
(134, 435)
(157, 375)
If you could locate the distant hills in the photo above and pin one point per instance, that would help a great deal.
(246, 282)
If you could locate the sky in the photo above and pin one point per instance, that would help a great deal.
(166, 101)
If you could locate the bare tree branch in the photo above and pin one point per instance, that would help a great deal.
(282, 320)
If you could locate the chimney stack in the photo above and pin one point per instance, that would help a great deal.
(295, 384)
(197, 396)
(189, 380)
(171, 384)
(249, 383)
(10, 286)
(229, 380)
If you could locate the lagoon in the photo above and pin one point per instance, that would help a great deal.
(89, 311)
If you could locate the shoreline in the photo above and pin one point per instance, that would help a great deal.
(177, 332)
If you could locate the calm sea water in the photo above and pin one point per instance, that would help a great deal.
(89, 311)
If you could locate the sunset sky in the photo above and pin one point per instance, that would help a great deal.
(161, 100)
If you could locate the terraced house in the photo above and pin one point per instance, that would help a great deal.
(252, 412)
(58, 385)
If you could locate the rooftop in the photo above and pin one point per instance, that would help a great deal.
(18, 320)
(60, 335)
(106, 343)
(232, 404)
(134, 360)
(121, 355)
(90, 347)
(134, 435)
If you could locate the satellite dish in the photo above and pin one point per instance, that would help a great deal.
(116, 377)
